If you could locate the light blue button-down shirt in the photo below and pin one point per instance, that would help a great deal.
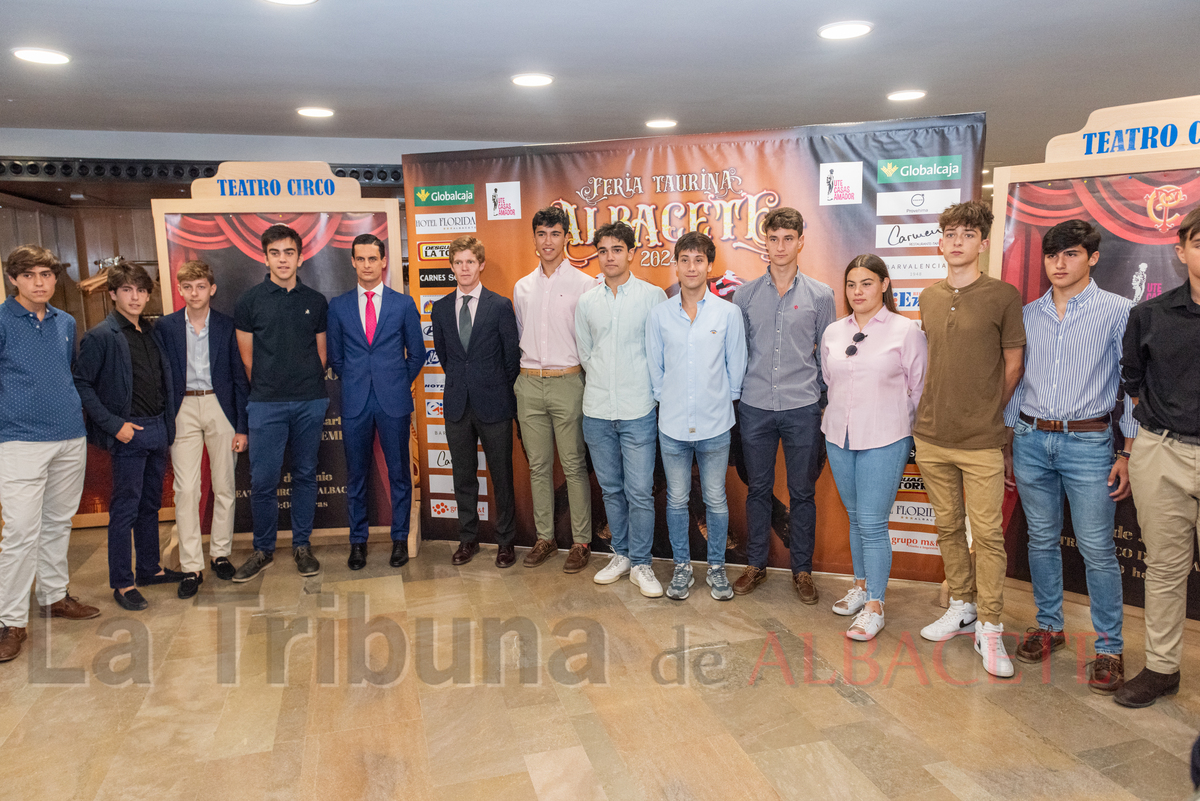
(610, 333)
(199, 369)
(696, 367)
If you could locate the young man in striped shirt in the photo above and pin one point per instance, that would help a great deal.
(1062, 444)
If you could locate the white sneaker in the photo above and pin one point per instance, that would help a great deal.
(989, 643)
(644, 579)
(865, 626)
(616, 567)
(851, 602)
(956, 620)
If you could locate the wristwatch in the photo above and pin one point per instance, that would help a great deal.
(1123, 453)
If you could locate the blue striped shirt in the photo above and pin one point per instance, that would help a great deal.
(1073, 365)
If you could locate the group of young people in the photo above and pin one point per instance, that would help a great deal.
(984, 390)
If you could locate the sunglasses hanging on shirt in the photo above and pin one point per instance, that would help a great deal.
(853, 349)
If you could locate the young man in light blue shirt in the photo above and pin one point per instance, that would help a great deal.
(696, 347)
(619, 419)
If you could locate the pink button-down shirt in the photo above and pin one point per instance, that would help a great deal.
(545, 310)
(873, 394)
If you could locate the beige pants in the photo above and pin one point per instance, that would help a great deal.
(201, 422)
(948, 473)
(550, 411)
(1165, 475)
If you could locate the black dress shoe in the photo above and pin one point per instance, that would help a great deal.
(1147, 687)
(358, 556)
(168, 576)
(465, 553)
(399, 553)
(190, 585)
(506, 556)
(223, 568)
(132, 600)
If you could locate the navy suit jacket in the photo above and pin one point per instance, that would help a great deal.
(229, 381)
(390, 363)
(483, 374)
(104, 380)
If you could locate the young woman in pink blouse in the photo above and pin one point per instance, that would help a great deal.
(873, 361)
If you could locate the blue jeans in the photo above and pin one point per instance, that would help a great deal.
(623, 457)
(762, 431)
(358, 436)
(138, 467)
(1048, 465)
(273, 427)
(867, 480)
(712, 455)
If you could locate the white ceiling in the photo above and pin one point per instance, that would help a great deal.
(440, 70)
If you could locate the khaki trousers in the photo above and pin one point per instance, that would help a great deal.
(1165, 475)
(550, 411)
(202, 423)
(948, 473)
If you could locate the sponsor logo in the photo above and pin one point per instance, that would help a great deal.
(912, 526)
(503, 200)
(433, 408)
(435, 433)
(907, 235)
(907, 299)
(934, 168)
(1159, 204)
(915, 268)
(448, 508)
(460, 223)
(436, 277)
(442, 484)
(431, 359)
(453, 195)
(434, 251)
(440, 460)
(840, 183)
(427, 331)
(427, 302)
(929, 201)
(435, 382)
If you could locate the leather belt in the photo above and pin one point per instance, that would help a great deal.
(199, 393)
(1093, 424)
(1186, 439)
(551, 373)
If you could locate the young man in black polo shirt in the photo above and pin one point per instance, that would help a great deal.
(1161, 371)
(281, 335)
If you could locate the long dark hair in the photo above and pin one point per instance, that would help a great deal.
(869, 261)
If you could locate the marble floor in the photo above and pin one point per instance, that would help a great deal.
(436, 682)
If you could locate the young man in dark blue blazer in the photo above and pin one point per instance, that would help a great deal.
(209, 407)
(376, 349)
(475, 335)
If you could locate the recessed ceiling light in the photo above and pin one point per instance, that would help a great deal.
(661, 123)
(985, 172)
(907, 94)
(532, 79)
(845, 30)
(987, 186)
(292, 2)
(40, 55)
(314, 112)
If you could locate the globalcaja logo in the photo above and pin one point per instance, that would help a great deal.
(451, 195)
(935, 168)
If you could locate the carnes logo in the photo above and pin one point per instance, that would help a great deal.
(452, 195)
(936, 168)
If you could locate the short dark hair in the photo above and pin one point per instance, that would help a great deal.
(869, 261)
(369, 239)
(698, 242)
(616, 230)
(550, 217)
(972, 214)
(125, 274)
(279, 232)
(1190, 225)
(1070, 234)
(785, 218)
(26, 257)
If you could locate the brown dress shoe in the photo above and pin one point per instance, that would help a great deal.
(506, 556)
(577, 558)
(540, 552)
(751, 577)
(465, 553)
(1146, 687)
(805, 588)
(71, 609)
(1106, 674)
(1038, 644)
(11, 638)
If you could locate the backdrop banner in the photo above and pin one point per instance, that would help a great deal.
(870, 187)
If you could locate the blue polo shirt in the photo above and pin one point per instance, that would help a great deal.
(38, 401)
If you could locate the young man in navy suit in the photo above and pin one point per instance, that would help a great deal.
(209, 407)
(376, 349)
(475, 336)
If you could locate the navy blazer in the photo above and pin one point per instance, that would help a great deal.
(390, 363)
(483, 374)
(104, 380)
(228, 374)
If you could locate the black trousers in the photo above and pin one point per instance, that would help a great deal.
(497, 440)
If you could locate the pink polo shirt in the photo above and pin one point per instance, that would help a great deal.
(545, 309)
(873, 394)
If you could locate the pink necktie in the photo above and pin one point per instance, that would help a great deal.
(370, 317)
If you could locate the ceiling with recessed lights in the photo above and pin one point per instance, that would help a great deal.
(443, 70)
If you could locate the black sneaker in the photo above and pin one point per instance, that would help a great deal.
(306, 563)
(190, 585)
(223, 568)
(258, 562)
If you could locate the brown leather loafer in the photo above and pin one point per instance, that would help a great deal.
(540, 552)
(1106, 674)
(751, 577)
(805, 588)
(506, 556)
(465, 553)
(1038, 644)
(577, 558)
(1146, 687)
(11, 638)
(71, 609)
